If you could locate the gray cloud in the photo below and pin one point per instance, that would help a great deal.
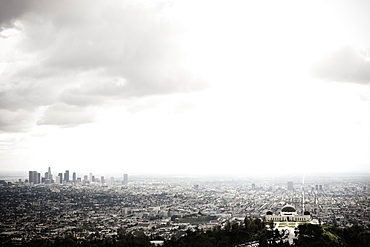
(343, 65)
(66, 115)
(16, 121)
(11, 10)
(95, 92)
(28, 94)
(85, 54)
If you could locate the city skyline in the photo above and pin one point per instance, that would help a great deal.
(35, 177)
(173, 87)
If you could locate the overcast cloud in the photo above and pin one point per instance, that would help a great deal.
(344, 65)
(159, 85)
(81, 54)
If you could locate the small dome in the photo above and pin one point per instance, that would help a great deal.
(306, 213)
(288, 208)
(268, 213)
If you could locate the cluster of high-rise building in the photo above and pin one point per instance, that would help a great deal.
(35, 177)
(290, 186)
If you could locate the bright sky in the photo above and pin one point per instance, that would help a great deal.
(186, 87)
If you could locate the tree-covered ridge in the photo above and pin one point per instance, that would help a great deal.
(331, 236)
(232, 234)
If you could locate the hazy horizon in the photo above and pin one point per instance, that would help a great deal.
(292, 176)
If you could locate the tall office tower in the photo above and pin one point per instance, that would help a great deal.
(34, 179)
(30, 176)
(86, 178)
(60, 175)
(49, 173)
(66, 176)
(290, 185)
(74, 177)
(38, 178)
(46, 175)
(125, 179)
(253, 186)
(316, 187)
(320, 186)
(102, 180)
(90, 177)
(57, 180)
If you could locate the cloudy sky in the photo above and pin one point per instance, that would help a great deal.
(202, 87)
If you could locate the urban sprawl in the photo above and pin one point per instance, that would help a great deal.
(162, 207)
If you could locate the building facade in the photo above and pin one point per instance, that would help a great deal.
(125, 179)
(288, 213)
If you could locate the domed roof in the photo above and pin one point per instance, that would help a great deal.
(306, 213)
(288, 208)
(268, 213)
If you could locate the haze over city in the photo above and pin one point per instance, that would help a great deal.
(185, 87)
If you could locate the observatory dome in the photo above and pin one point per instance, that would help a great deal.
(288, 209)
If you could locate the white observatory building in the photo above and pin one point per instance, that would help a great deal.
(288, 213)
